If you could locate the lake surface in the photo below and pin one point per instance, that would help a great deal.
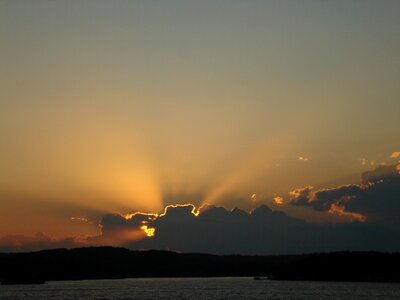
(199, 288)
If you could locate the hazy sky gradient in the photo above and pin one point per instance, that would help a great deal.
(117, 106)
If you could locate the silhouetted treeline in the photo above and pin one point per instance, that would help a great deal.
(108, 262)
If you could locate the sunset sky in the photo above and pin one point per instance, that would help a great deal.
(112, 107)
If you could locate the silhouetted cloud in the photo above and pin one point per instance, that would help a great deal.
(373, 205)
(377, 197)
(216, 230)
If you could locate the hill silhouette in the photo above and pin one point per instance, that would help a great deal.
(109, 262)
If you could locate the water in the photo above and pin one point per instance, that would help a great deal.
(199, 288)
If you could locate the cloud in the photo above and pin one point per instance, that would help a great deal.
(278, 200)
(302, 196)
(120, 230)
(322, 200)
(373, 206)
(214, 229)
(376, 199)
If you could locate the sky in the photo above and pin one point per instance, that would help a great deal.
(109, 108)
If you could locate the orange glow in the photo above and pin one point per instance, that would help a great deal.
(339, 210)
(254, 163)
(138, 187)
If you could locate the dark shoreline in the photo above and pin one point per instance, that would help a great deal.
(119, 263)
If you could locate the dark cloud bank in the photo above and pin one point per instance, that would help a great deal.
(375, 205)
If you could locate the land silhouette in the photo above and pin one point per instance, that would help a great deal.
(113, 263)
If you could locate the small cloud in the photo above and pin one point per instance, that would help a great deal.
(302, 196)
(366, 162)
(395, 154)
(303, 158)
(278, 200)
(254, 197)
(82, 219)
